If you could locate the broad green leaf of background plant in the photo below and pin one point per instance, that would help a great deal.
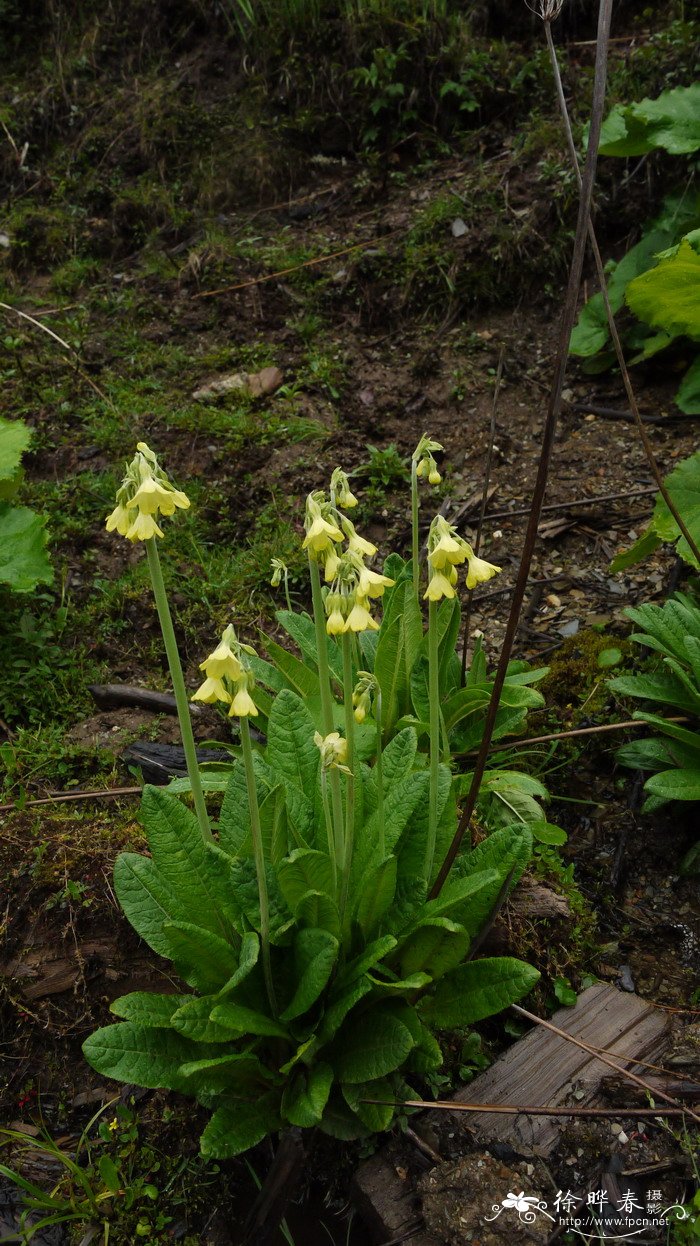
(15, 438)
(23, 559)
(668, 296)
(688, 394)
(671, 121)
(683, 484)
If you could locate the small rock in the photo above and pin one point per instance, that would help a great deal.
(569, 629)
(256, 384)
(5, 241)
(459, 228)
(626, 980)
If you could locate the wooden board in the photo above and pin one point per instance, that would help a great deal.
(544, 1069)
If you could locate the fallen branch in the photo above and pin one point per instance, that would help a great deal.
(567, 735)
(284, 272)
(55, 798)
(511, 1109)
(564, 506)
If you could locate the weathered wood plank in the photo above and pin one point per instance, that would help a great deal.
(544, 1069)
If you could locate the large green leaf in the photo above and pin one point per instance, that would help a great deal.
(668, 296)
(342, 1004)
(370, 1046)
(234, 820)
(688, 395)
(244, 1020)
(477, 990)
(376, 1116)
(290, 742)
(316, 909)
(436, 947)
(315, 953)
(304, 870)
(237, 1126)
(193, 1020)
(671, 121)
(370, 956)
(184, 860)
(238, 1072)
(406, 796)
(457, 898)
(306, 1095)
(15, 438)
(683, 484)
(148, 902)
(302, 679)
(675, 784)
(397, 761)
(377, 895)
(202, 958)
(302, 629)
(146, 1008)
(137, 1053)
(507, 853)
(23, 559)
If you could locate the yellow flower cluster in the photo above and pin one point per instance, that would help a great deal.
(446, 551)
(423, 461)
(353, 584)
(144, 493)
(366, 689)
(333, 749)
(229, 679)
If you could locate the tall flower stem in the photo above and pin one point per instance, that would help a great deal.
(349, 778)
(434, 698)
(256, 836)
(334, 848)
(324, 675)
(181, 700)
(414, 528)
(380, 771)
(324, 679)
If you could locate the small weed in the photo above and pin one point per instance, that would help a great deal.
(385, 471)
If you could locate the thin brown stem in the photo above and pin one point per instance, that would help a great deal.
(553, 410)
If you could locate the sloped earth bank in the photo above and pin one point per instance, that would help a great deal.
(359, 368)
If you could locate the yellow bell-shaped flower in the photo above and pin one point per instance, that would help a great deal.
(479, 571)
(438, 587)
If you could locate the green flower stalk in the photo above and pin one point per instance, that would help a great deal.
(422, 464)
(230, 681)
(434, 697)
(259, 855)
(366, 692)
(145, 493)
(350, 779)
(446, 551)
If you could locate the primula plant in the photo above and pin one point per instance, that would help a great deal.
(322, 962)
